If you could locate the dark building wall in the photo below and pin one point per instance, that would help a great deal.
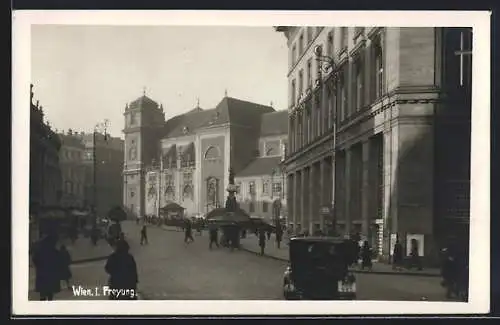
(108, 179)
(214, 168)
(45, 172)
(453, 137)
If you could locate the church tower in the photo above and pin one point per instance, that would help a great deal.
(144, 120)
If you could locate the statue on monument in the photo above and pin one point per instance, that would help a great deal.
(231, 204)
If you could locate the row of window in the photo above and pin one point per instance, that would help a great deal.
(297, 88)
(306, 37)
(72, 154)
(73, 188)
(348, 97)
(266, 207)
(276, 188)
(302, 44)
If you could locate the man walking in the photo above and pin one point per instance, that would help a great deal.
(188, 233)
(48, 265)
(122, 270)
(262, 240)
(397, 256)
(213, 232)
(144, 235)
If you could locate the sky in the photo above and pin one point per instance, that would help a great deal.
(83, 75)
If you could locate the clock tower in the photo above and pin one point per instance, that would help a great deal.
(144, 119)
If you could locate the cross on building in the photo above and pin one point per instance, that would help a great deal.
(461, 53)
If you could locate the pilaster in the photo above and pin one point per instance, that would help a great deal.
(347, 171)
(365, 192)
(312, 195)
(302, 197)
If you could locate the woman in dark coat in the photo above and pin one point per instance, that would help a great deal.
(262, 240)
(366, 256)
(65, 265)
(47, 262)
(397, 256)
(122, 271)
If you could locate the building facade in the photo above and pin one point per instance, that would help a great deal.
(71, 157)
(375, 115)
(186, 159)
(103, 161)
(262, 182)
(45, 171)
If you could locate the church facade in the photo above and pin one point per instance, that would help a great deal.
(186, 159)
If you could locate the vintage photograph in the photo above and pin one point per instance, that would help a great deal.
(286, 162)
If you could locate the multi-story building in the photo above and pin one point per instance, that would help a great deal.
(103, 176)
(193, 151)
(379, 132)
(45, 172)
(71, 157)
(261, 184)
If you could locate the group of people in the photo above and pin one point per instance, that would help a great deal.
(265, 233)
(52, 265)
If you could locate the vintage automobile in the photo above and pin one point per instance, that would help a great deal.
(318, 270)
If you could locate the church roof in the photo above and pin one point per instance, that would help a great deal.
(274, 123)
(143, 102)
(260, 166)
(229, 110)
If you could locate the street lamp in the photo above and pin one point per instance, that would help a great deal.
(99, 128)
(327, 64)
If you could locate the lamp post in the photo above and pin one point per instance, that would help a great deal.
(99, 128)
(327, 64)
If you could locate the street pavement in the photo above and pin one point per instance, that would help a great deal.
(170, 269)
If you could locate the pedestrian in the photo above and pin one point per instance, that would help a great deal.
(269, 231)
(414, 256)
(122, 270)
(213, 234)
(366, 256)
(262, 240)
(188, 232)
(144, 235)
(94, 235)
(65, 265)
(397, 256)
(198, 227)
(279, 235)
(47, 262)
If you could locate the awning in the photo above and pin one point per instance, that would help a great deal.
(172, 207)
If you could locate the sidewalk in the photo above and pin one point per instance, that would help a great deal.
(83, 251)
(251, 244)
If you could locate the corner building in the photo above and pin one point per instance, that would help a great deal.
(382, 138)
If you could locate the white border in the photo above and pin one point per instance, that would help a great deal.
(480, 223)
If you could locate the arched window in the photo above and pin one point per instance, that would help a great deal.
(170, 193)
(212, 190)
(187, 193)
(212, 153)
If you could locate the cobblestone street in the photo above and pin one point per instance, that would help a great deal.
(170, 269)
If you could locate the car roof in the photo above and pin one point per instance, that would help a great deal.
(317, 239)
